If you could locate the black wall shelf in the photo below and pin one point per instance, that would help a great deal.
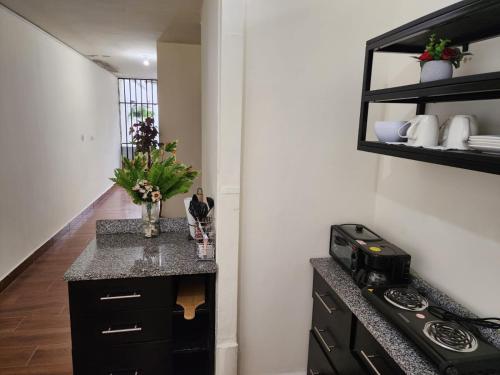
(465, 22)
(473, 87)
(473, 160)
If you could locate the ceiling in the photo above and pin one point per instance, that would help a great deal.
(116, 34)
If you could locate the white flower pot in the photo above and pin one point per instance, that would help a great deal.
(435, 70)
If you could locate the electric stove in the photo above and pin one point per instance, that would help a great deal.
(455, 348)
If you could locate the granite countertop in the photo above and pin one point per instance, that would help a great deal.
(121, 251)
(400, 348)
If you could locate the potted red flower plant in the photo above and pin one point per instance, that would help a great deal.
(438, 59)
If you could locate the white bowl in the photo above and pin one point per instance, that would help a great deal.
(391, 131)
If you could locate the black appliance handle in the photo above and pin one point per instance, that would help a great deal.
(329, 309)
(319, 334)
(367, 360)
(360, 277)
(340, 241)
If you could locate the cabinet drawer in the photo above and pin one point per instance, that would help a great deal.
(317, 363)
(191, 363)
(330, 315)
(374, 358)
(327, 302)
(332, 325)
(135, 359)
(120, 327)
(337, 351)
(91, 297)
(331, 299)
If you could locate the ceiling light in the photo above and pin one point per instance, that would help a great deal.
(146, 62)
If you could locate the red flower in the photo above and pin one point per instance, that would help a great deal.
(448, 53)
(426, 56)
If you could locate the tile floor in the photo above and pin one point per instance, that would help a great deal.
(34, 318)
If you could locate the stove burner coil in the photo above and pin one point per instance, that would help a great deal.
(450, 336)
(406, 299)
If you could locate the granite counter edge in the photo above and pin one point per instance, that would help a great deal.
(70, 277)
(402, 350)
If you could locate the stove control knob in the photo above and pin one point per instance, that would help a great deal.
(451, 371)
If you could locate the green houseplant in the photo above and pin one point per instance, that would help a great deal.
(144, 136)
(151, 177)
(438, 59)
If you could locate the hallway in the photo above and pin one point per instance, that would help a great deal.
(34, 317)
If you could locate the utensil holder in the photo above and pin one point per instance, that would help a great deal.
(205, 238)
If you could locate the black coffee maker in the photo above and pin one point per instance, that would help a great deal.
(370, 259)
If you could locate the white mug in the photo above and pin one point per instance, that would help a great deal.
(455, 132)
(423, 131)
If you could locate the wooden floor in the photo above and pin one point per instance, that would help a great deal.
(34, 318)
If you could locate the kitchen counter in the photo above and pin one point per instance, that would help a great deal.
(120, 250)
(126, 296)
(401, 349)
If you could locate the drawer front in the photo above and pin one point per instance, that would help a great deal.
(332, 325)
(374, 358)
(92, 297)
(120, 327)
(191, 363)
(317, 363)
(135, 359)
(327, 300)
(330, 314)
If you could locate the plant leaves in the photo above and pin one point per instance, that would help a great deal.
(171, 177)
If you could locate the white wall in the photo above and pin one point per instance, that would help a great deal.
(179, 102)
(300, 171)
(59, 138)
(222, 56)
(446, 218)
(210, 76)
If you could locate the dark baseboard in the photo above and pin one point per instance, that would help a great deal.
(4, 283)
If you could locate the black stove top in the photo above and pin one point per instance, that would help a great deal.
(450, 336)
(406, 299)
(454, 348)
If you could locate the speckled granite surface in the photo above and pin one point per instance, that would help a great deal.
(401, 349)
(397, 346)
(124, 253)
(135, 225)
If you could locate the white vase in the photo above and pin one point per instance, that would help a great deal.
(435, 70)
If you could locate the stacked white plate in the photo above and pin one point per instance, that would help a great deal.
(488, 143)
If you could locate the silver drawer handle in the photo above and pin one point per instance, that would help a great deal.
(370, 363)
(320, 298)
(135, 373)
(314, 372)
(110, 331)
(126, 296)
(322, 339)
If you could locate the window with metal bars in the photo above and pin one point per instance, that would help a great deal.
(138, 100)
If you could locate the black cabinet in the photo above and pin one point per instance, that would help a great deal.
(121, 327)
(132, 359)
(133, 326)
(317, 363)
(91, 297)
(194, 340)
(339, 344)
(374, 358)
(332, 325)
